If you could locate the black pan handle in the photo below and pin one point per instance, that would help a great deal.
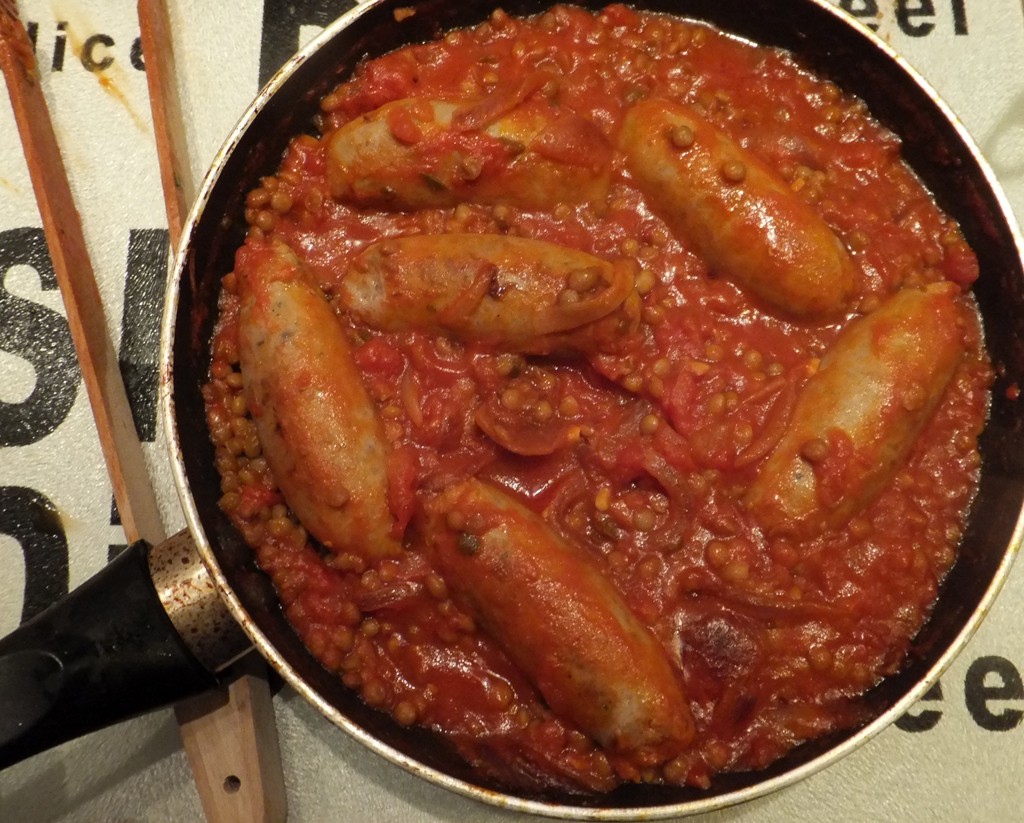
(106, 652)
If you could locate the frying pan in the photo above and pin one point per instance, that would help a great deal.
(110, 650)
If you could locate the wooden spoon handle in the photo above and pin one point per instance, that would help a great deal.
(168, 122)
(122, 451)
(230, 736)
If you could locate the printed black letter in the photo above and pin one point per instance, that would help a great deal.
(979, 694)
(39, 336)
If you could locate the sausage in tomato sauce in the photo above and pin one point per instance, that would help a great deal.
(415, 153)
(859, 415)
(520, 294)
(318, 427)
(736, 211)
(560, 620)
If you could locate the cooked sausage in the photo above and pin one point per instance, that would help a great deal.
(522, 294)
(736, 211)
(559, 620)
(859, 414)
(316, 423)
(418, 153)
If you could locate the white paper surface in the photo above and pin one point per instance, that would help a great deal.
(956, 771)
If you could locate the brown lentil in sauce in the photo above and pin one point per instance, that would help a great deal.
(774, 637)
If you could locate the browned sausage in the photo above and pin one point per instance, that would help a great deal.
(560, 620)
(514, 292)
(858, 416)
(414, 153)
(736, 211)
(316, 423)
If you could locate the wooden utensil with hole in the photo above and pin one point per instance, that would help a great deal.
(230, 736)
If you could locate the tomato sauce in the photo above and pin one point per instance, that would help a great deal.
(640, 455)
